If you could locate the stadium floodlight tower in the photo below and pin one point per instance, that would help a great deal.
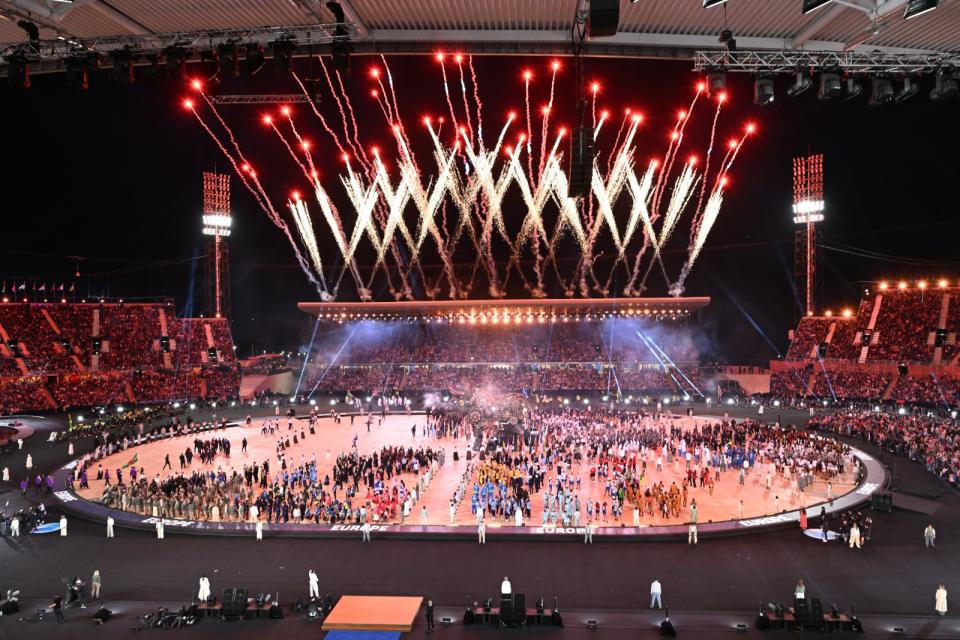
(808, 207)
(217, 222)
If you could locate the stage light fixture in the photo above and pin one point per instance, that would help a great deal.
(830, 86)
(18, 70)
(918, 8)
(283, 53)
(763, 90)
(716, 81)
(78, 70)
(854, 89)
(813, 5)
(209, 64)
(909, 89)
(32, 30)
(713, 3)
(176, 62)
(726, 37)
(254, 59)
(122, 67)
(802, 84)
(229, 61)
(944, 86)
(881, 91)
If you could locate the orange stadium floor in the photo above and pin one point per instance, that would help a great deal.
(331, 439)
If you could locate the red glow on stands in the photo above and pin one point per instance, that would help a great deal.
(267, 119)
(527, 74)
(196, 84)
(555, 65)
(285, 110)
(188, 104)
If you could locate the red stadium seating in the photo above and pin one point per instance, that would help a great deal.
(66, 355)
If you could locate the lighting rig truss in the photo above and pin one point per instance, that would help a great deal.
(51, 55)
(853, 62)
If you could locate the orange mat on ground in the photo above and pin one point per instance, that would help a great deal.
(375, 613)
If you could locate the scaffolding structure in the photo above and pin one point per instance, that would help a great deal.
(217, 222)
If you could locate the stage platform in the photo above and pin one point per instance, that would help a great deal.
(374, 613)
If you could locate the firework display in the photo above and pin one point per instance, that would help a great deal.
(485, 208)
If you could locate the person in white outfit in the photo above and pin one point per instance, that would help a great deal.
(29, 461)
(588, 533)
(636, 516)
(254, 513)
(159, 529)
(70, 449)
(692, 533)
(259, 530)
(314, 583)
(453, 511)
(854, 536)
(15, 527)
(63, 526)
(482, 533)
(365, 532)
(656, 590)
(6, 474)
(204, 591)
(19, 444)
(109, 526)
(518, 516)
(941, 603)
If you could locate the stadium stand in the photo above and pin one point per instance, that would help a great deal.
(89, 354)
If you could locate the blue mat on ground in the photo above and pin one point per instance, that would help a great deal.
(362, 635)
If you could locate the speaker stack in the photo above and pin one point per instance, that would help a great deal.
(581, 162)
(234, 603)
(604, 18)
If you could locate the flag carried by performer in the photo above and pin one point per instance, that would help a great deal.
(134, 460)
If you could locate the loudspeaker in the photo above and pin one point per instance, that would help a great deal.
(816, 610)
(581, 162)
(604, 18)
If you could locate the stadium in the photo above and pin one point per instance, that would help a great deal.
(367, 321)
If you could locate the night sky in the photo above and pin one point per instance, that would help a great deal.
(107, 181)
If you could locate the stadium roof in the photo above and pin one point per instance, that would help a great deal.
(507, 311)
(657, 28)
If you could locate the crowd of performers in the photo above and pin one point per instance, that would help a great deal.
(381, 486)
(618, 449)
